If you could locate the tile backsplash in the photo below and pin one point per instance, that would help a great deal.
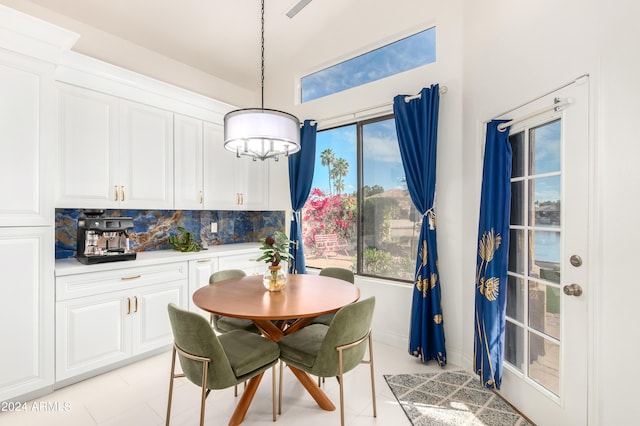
(152, 227)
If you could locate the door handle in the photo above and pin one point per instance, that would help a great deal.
(572, 290)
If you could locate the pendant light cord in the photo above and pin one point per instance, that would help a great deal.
(262, 55)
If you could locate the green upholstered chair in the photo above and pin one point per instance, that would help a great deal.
(224, 324)
(341, 274)
(217, 362)
(327, 351)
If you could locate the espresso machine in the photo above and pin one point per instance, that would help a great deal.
(103, 239)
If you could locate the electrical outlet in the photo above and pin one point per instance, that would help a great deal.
(214, 227)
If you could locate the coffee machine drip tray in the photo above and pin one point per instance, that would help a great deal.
(92, 259)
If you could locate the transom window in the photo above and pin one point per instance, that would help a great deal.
(405, 54)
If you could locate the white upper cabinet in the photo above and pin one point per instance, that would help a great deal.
(89, 139)
(146, 157)
(188, 163)
(232, 183)
(27, 141)
(113, 153)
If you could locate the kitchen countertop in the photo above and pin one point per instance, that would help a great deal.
(72, 266)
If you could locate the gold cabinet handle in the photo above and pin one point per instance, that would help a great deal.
(116, 193)
(241, 198)
(201, 197)
(130, 277)
(122, 191)
(204, 261)
(128, 306)
(135, 298)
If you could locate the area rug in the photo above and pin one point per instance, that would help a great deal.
(452, 397)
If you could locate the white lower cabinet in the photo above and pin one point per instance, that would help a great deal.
(201, 269)
(246, 262)
(26, 303)
(106, 317)
(199, 272)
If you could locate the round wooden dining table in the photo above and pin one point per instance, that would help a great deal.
(277, 314)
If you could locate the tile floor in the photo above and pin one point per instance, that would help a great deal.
(137, 395)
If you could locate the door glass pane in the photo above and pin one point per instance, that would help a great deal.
(532, 333)
(544, 148)
(513, 345)
(544, 308)
(544, 362)
(517, 154)
(517, 203)
(544, 249)
(544, 206)
(516, 251)
(515, 298)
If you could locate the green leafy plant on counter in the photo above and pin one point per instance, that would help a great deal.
(185, 242)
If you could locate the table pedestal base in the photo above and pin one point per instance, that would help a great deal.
(245, 400)
(321, 398)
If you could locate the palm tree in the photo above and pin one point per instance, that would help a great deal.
(340, 170)
(328, 157)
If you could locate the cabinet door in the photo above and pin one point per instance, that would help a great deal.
(254, 193)
(221, 183)
(279, 193)
(88, 149)
(26, 303)
(92, 332)
(246, 262)
(146, 157)
(188, 162)
(27, 158)
(232, 183)
(151, 326)
(199, 272)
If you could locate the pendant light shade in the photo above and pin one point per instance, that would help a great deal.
(259, 132)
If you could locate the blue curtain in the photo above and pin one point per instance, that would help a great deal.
(301, 167)
(417, 129)
(493, 252)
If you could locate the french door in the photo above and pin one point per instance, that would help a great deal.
(545, 372)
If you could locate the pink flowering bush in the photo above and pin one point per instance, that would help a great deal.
(328, 214)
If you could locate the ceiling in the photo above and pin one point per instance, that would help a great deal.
(219, 37)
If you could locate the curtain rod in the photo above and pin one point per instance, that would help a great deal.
(442, 90)
(558, 103)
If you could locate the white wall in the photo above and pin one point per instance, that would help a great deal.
(117, 51)
(516, 51)
(391, 320)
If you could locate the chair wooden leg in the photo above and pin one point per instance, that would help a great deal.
(373, 381)
(205, 369)
(340, 381)
(173, 369)
(273, 391)
(280, 390)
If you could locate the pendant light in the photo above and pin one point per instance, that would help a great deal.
(259, 132)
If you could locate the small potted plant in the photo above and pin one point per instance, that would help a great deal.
(275, 251)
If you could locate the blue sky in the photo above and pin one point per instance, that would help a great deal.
(402, 55)
(382, 163)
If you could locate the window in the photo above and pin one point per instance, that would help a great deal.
(402, 55)
(359, 214)
(533, 286)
